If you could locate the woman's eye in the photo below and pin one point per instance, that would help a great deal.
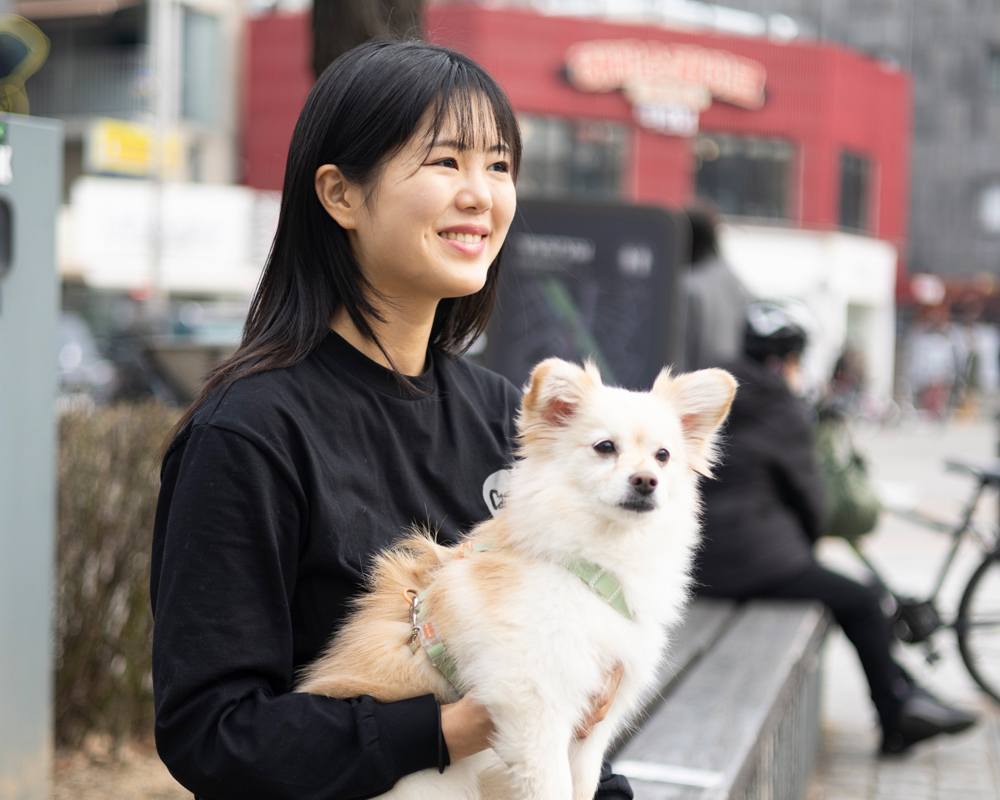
(663, 456)
(500, 166)
(605, 448)
(451, 163)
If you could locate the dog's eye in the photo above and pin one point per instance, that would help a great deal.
(605, 448)
(663, 456)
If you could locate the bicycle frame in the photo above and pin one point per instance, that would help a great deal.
(920, 614)
(956, 538)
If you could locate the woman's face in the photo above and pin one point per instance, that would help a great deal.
(436, 220)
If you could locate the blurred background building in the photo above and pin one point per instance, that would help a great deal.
(802, 145)
(118, 69)
(156, 237)
(839, 176)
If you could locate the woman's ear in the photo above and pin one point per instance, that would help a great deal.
(341, 198)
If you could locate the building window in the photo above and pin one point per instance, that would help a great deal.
(200, 76)
(989, 208)
(854, 171)
(745, 177)
(993, 71)
(571, 157)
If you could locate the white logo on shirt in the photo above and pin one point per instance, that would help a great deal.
(494, 490)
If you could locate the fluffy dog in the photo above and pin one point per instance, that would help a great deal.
(607, 479)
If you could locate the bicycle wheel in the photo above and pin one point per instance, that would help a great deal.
(978, 626)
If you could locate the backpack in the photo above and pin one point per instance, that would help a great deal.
(853, 506)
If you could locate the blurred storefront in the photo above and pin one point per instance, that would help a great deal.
(154, 81)
(803, 146)
(152, 225)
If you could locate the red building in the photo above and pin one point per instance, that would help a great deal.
(802, 133)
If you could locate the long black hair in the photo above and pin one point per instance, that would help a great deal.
(362, 111)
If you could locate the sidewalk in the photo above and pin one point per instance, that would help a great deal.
(907, 464)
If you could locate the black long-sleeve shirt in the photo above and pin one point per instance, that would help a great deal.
(273, 503)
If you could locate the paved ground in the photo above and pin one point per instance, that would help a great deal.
(135, 772)
(907, 465)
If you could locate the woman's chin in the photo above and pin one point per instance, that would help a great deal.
(465, 285)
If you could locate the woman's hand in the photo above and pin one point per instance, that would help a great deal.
(601, 702)
(466, 727)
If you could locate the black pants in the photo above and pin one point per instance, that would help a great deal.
(857, 610)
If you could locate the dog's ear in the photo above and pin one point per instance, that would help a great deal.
(554, 392)
(702, 400)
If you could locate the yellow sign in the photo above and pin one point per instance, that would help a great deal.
(117, 147)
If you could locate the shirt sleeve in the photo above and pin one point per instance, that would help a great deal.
(611, 786)
(225, 555)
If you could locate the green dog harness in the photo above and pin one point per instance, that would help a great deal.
(598, 579)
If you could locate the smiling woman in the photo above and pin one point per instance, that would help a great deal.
(346, 417)
(444, 204)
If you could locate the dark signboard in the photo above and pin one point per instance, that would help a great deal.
(589, 280)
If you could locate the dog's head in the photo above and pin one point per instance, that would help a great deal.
(622, 452)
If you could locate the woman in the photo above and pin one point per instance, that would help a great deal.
(344, 418)
(765, 510)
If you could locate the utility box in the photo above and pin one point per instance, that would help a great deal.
(30, 186)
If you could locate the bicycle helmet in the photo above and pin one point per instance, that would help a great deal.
(774, 329)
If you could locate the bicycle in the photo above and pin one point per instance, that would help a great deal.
(977, 621)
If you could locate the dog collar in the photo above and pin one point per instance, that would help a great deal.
(597, 578)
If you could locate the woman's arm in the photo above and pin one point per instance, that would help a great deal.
(225, 561)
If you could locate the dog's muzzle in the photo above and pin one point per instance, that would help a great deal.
(638, 504)
(642, 486)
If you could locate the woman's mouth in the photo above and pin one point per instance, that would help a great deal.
(471, 244)
(467, 238)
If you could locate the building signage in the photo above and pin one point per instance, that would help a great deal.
(117, 147)
(209, 236)
(668, 85)
(598, 280)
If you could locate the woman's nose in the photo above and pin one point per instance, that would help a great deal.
(475, 191)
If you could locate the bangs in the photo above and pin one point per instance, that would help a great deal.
(480, 115)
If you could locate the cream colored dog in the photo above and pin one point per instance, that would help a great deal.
(607, 479)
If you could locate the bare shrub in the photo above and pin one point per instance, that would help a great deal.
(108, 484)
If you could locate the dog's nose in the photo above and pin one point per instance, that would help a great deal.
(644, 482)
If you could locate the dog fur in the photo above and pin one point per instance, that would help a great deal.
(532, 640)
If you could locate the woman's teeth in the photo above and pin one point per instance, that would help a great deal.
(468, 238)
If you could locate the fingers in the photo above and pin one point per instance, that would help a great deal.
(615, 678)
(466, 726)
(602, 702)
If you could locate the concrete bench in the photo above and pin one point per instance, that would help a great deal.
(738, 713)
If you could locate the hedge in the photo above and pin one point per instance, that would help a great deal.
(108, 483)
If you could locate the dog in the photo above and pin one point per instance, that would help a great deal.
(585, 568)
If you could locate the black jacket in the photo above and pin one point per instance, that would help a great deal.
(766, 505)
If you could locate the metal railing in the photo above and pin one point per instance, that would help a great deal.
(112, 81)
(782, 761)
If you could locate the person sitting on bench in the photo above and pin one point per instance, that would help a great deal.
(765, 509)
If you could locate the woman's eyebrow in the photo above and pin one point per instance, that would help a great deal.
(455, 144)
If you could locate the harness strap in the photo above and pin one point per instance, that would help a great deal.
(468, 548)
(434, 647)
(599, 580)
(602, 582)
